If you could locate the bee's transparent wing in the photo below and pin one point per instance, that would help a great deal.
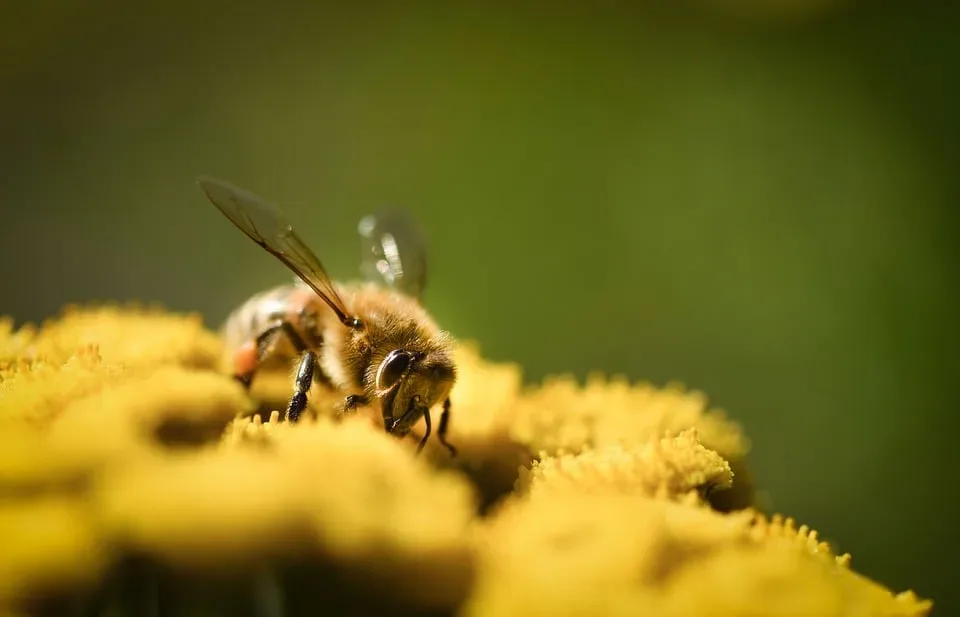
(265, 224)
(394, 251)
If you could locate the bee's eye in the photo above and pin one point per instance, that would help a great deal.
(392, 368)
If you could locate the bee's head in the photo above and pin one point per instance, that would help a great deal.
(409, 383)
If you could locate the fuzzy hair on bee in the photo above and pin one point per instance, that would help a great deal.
(373, 340)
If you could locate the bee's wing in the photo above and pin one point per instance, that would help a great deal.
(265, 224)
(394, 251)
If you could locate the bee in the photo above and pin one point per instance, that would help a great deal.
(372, 340)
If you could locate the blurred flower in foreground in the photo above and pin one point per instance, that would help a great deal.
(137, 478)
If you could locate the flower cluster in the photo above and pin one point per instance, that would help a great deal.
(134, 472)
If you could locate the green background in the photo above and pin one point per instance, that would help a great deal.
(755, 202)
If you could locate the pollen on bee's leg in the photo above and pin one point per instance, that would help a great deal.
(245, 363)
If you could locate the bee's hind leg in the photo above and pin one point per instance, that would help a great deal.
(247, 358)
(301, 385)
(250, 355)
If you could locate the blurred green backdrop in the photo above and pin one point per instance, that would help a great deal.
(756, 202)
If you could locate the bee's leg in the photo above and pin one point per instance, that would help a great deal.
(248, 357)
(298, 343)
(426, 433)
(245, 379)
(351, 402)
(391, 424)
(301, 346)
(442, 430)
(301, 385)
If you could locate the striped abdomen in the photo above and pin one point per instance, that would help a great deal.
(258, 313)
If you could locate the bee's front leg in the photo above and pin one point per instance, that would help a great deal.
(426, 432)
(301, 385)
(351, 402)
(442, 431)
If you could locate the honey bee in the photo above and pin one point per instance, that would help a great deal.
(372, 340)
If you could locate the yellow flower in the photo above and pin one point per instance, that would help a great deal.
(130, 462)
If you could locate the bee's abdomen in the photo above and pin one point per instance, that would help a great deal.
(252, 317)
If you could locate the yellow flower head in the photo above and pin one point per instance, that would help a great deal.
(129, 457)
